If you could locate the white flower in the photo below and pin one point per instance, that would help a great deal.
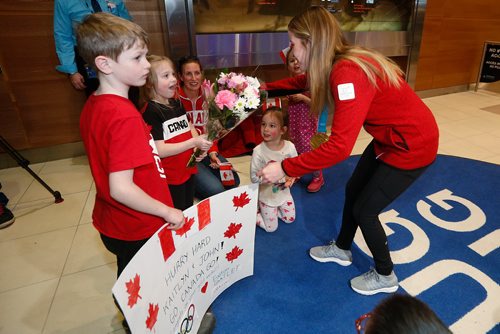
(253, 103)
(239, 106)
(250, 92)
(254, 82)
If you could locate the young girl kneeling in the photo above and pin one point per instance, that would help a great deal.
(275, 200)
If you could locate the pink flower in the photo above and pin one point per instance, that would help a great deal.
(223, 77)
(225, 98)
(238, 82)
(207, 89)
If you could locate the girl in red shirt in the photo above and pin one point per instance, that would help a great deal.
(363, 89)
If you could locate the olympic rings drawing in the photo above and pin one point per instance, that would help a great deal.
(187, 323)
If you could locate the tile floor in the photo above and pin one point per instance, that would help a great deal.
(56, 276)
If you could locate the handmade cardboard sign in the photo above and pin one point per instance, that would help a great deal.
(173, 279)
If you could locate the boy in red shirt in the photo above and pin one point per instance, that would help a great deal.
(132, 200)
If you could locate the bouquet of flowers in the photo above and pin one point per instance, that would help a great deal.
(228, 102)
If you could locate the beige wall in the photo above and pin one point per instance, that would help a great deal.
(452, 41)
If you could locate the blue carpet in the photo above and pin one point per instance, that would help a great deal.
(291, 293)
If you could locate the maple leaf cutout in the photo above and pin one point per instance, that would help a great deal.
(232, 230)
(241, 201)
(166, 243)
(187, 226)
(203, 209)
(152, 316)
(234, 254)
(133, 287)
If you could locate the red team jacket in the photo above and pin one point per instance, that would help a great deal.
(405, 133)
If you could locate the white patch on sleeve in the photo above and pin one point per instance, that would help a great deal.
(346, 91)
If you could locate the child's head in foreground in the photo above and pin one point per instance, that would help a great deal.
(401, 314)
(104, 34)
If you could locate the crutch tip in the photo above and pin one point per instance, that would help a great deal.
(58, 197)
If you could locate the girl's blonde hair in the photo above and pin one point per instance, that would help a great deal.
(148, 91)
(320, 32)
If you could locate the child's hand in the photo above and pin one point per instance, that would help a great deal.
(175, 219)
(290, 181)
(202, 156)
(214, 160)
(284, 182)
(202, 143)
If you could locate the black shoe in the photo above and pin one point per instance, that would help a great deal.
(6, 217)
(207, 325)
(125, 327)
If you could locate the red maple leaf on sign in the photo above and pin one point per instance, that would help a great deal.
(234, 254)
(152, 316)
(187, 226)
(241, 201)
(203, 209)
(166, 243)
(133, 287)
(232, 230)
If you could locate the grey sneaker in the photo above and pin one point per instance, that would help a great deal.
(372, 282)
(331, 253)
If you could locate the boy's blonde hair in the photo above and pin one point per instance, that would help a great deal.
(318, 30)
(104, 34)
(148, 91)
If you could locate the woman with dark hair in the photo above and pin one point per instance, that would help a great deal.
(208, 180)
(362, 88)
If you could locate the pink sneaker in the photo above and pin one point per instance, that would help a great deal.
(316, 184)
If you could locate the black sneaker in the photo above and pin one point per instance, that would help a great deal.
(6, 217)
(207, 325)
(126, 328)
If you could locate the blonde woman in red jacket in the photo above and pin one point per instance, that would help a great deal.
(363, 89)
